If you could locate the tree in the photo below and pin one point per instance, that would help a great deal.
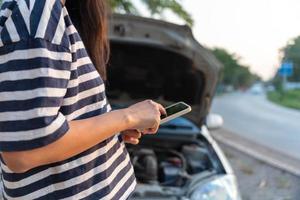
(154, 6)
(291, 53)
(234, 73)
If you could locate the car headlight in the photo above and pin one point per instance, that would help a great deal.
(221, 188)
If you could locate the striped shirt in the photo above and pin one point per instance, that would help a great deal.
(47, 80)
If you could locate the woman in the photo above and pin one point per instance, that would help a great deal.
(58, 139)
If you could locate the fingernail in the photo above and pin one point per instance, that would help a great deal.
(134, 140)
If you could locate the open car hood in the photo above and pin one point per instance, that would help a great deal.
(162, 61)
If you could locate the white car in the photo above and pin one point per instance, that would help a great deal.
(162, 61)
(182, 162)
(257, 89)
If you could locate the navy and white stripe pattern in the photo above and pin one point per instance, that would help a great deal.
(47, 80)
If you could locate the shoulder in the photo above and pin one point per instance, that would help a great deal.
(42, 19)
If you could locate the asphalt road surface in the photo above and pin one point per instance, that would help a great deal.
(257, 119)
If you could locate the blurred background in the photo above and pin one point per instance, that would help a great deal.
(258, 92)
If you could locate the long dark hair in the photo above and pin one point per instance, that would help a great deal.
(90, 18)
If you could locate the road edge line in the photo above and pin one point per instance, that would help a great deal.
(280, 164)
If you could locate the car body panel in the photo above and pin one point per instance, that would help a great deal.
(174, 38)
(218, 150)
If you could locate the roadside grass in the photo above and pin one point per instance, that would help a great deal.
(282, 182)
(245, 168)
(289, 99)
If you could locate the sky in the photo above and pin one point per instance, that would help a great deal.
(255, 30)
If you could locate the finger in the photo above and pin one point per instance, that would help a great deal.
(151, 130)
(148, 131)
(134, 141)
(133, 133)
(155, 130)
(129, 131)
(130, 140)
(161, 109)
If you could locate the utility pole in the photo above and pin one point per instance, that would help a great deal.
(285, 71)
(284, 81)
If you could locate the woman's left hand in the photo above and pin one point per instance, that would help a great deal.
(131, 136)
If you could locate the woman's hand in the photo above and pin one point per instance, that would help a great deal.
(131, 136)
(145, 116)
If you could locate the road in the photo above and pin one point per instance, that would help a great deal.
(257, 119)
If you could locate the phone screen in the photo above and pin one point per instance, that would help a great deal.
(174, 109)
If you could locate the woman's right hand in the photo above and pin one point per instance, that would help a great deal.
(145, 116)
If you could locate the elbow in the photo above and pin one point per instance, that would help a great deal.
(17, 162)
(18, 168)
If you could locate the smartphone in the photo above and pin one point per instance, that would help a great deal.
(175, 110)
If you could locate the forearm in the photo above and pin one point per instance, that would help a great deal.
(82, 135)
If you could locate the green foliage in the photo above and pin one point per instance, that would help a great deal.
(154, 6)
(233, 73)
(277, 83)
(123, 6)
(291, 52)
(289, 99)
(157, 7)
